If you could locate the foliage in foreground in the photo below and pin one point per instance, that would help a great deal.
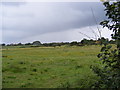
(110, 73)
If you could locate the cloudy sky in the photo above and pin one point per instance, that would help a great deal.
(50, 21)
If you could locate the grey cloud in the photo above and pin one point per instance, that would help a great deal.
(13, 3)
(34, 19)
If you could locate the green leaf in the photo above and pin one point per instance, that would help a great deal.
(99, 55)
(110, 46)
(103, 49)
(114, 51)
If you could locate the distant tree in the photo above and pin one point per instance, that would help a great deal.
(103, 40)
(87, 42)
(36, 43)
(112, 42)
(74, 43)
(28, 43)
(84, 41)
(19, 44)
(3, 44)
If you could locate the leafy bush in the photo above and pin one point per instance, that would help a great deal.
(109, 75)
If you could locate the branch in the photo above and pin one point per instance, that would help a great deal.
(86, 35)
(94, 33)
(96, 22)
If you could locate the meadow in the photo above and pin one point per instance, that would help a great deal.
(49, 67)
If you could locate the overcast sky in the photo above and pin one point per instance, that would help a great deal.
(50, 21)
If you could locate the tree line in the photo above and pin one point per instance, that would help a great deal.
(83, 42)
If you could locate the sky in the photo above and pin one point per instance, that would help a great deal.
(50, 21)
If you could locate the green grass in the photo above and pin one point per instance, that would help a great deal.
(49, 67)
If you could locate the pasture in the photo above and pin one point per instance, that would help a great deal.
(49, 67)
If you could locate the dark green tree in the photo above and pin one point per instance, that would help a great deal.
(36, 43)
(84, 42)
(102, 40)
(109, 74)
(74, 43)
(19, 44)
(3, 44)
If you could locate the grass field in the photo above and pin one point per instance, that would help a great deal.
(49, 67)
